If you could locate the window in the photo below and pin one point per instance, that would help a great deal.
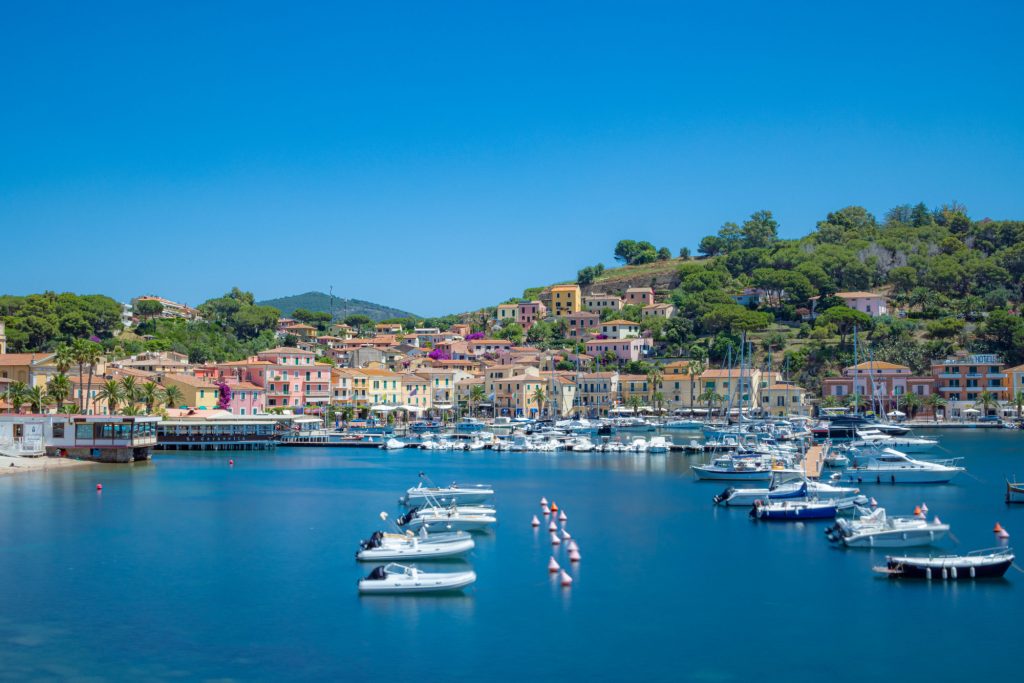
(58, 430)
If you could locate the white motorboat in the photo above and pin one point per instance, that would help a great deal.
(637, 446)
(836, 460)
(438, 519)
(903, 444)
(397, 578)
(393, 444)
(429, 445)
(659, 444)
(475, 445)
(684, 424)
(876, 530)
(799, 488)
(383, 546)
(445, 495)
(794, 510)
(730, 468)
(892, 467)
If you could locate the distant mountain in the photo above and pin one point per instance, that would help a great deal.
(318, 301)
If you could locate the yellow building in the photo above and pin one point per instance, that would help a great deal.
(681, 390)
(416, 391)
(635, 385)
(507, 313)
(33, 369)
(780, 398)
(196, 393)
(565, 299)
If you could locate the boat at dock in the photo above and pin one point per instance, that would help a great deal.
(794, 510)
(1014, 492)
(795, 488)
(875, 529)
(398, 578)
(887, 466)
(979, 564)
(733, 468)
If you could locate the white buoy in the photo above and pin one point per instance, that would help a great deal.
(924, 508)
(545, 511)
(553, 565)
(937, 520)
(572, 545)
(543, 502)
(562, 517)
(555, 540)
(1002, 534)
(552, 527)
(535, 521)
(874, 503)
(574, 555)
(565, 535)
(565, 578)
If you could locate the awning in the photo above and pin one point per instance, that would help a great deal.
(896, 413)
(413, 409)
(971, 411)
(383, 409)
(443, 406)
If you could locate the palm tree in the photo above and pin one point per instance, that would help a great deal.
(695, 369)
(59, 388)
(112, 393)
(130, 388)
(857, 401)
(131, 409)
(913, 403)
(64, 358)
(79, 353)
(710, 397)
(1018, 398)
(69, 409)
(37, 399)
(87, 353)
(347, 413)
(477, 393)
(16, 395)
(539, 396)
(149, 394)
(635, 402)
(830, 401)
(658, 398)
(935, 401)
(986, 400)
(171, 396)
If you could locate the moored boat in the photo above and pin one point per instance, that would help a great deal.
(875, 529)
(794, 510)
(979, 564)
(423, 495)
(887, 466)
(1014, 492)
(383, 546)
(397, 578)
(798, 489)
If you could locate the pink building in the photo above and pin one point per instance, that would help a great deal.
(639, 296)
(624, 349)
(246, 398)
(529, 312)
(289, 376)
(580, 322)
(865, 302)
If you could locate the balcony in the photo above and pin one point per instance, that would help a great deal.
(996, 375)
(949, 375)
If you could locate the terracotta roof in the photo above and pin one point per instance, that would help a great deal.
(283, 349)
(245, 386)
(726, 373)
(1016, 368)
(785, 387)
(621, 322)
(877, 365)
(858, 295)
(640, 289)
(190, 381)
(9, 359)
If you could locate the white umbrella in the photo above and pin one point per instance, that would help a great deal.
(382, 409)
(971, 411)
(897, 413)
(413, 409)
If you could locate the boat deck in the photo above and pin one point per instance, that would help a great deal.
(813, 460)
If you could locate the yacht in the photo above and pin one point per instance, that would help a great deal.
(730, 468)
(445, 495)
(887, 466)
(793, 510)
(445, 519)
(876, 530)
(904, 444)
(792, 488)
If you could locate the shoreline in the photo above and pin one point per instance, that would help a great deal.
(43, 463)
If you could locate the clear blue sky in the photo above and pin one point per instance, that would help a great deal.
(441, 156)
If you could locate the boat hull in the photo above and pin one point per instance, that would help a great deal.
(416, 550)
(709, 474)
(1014, 493)
(797, 513)
(416, 497)
(894, 538)
(909, 568)
(856, 475)
(424, 583)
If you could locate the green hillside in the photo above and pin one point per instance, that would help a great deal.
(322, 303)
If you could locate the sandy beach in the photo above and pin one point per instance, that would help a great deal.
(42, 464)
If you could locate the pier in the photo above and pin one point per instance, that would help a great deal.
(813, 459)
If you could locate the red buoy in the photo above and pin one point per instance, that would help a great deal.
(231, 462)
(99, 487)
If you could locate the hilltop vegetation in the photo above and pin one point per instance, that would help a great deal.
(319, 302)
(955, 282)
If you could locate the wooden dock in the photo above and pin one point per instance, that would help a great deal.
(813, 461)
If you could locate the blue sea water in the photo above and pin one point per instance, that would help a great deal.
(185, 568)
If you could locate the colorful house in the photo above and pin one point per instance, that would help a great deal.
(658, 311)
(623, 349)
(529, 312)
(639, 296)
(597, 392)
(962, 379)
(581, 323)
(620, 329)
(196, 393)
(598, 303)
(565, 299)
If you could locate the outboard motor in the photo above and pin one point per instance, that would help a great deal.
(724, 495)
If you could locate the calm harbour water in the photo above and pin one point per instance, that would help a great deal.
(185, 568)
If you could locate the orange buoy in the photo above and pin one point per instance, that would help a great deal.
(535, 521)
(555, 540)
(554, 507)
(99, 487)
(552, 527)
(574, 555)
(553, 565)
(543, 502)
(1002, 533)
(565, 578)
(562, 517)
(917, 510)
(999, 527)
